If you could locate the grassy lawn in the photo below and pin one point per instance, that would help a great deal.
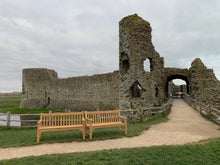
(6, 103)
(206, 152)
(28, 111)
(12, 105)
(15, 137)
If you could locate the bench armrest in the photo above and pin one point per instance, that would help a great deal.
(122, 117)
(39, 123)
(90, 121)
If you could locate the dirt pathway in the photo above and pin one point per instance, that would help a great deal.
(185, 126)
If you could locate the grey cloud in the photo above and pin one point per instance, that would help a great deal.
(81, 37)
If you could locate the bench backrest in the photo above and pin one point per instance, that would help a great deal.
(61, 119)
(103, 116)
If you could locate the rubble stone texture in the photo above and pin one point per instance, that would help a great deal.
(131, 89)
(43, 89)
(204, 86)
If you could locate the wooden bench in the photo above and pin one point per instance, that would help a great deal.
(60, 121)
(102, 119)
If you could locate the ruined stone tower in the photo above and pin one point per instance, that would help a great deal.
(36, 85)
(138, 88)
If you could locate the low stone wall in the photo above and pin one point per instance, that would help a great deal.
(206, 110)
(134, 115)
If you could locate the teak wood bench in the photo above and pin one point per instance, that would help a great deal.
(60, 121)
(102, 119)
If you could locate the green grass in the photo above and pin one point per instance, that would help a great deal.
(16, 137)
(6, 103)
(12, 105)
(207, 152)
(28, 111)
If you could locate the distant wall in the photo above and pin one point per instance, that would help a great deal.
(10, 95)
(42, 89)
(98, 92)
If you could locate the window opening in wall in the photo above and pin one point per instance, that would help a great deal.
(136, 89)
(48, 101)
(125, 66)
(156, 92)
(139, 87)
(124, 63)
(147, 65)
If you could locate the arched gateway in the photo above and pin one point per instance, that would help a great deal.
(176, 73)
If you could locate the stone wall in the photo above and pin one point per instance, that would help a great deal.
(206, 110)
(42, 89)
(205, 87)
(98, 92)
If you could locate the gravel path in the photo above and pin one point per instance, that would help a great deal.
(185, 126)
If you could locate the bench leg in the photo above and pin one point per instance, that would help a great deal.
(126, 129)
(87, 131)
(38, 135)
(84, 133)
(90, 133)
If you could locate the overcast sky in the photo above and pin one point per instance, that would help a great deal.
(80, 37)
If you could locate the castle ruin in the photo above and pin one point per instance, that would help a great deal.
(131, 89)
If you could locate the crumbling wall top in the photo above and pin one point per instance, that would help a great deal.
(198, 64)
(133, 22)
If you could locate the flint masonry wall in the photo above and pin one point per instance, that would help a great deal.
(36, 87)
(42, 89)
(205, 87)
(98, 92)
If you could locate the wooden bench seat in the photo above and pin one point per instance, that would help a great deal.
(103, 119)
(54, 128)
(60, 121)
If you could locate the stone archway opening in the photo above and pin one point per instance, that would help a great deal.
(176, 85)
